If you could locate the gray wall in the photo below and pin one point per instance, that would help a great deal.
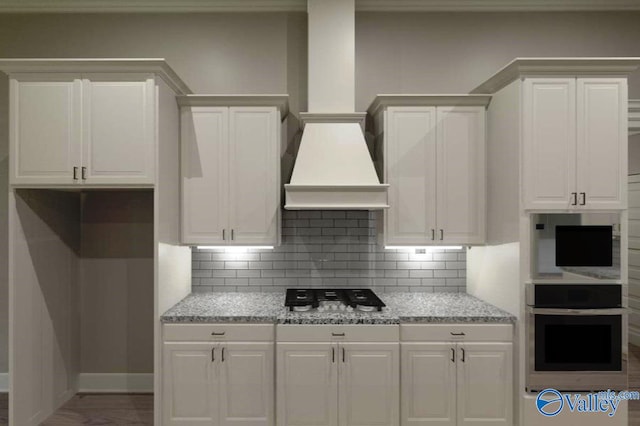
(455, 52)
(265, 53)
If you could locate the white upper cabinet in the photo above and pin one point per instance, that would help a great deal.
(574, 143)
(204, 169)
(119, 125)
(461, 175)
(602, 142)
(254, 178)
(410, 163)
(435, 165)
(230, 174)
(82, 129)
(45, 129)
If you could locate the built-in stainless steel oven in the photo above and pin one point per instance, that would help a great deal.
(576, 338)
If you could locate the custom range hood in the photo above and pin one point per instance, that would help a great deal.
(333, 169)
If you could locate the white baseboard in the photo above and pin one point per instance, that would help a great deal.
(4, 382)
(115, 383)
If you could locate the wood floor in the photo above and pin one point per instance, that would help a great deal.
(97, 410)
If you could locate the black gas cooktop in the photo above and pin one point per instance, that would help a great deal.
(304, 299)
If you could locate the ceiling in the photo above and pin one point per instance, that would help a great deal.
(173, 6)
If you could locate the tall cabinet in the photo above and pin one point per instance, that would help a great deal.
(75, 126)
(231, 169)
(557, 144)
(433, 159)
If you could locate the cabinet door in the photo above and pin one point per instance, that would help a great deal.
(410, 157)
(602, 142)
(247, 384)
(369, 384)
(485, 384)
(254, 161)
(549, 143)
(428, 384)
(307, 384)
(460, 175)
(45, 129)
(204, 133)
(188, 384)
(119, 130)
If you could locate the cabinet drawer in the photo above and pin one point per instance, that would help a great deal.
(219, 332)
(337, 333)
(456, 332)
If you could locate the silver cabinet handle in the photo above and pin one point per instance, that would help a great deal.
(333, 354)
(224, 234)
(457, 334)
(223, 354)
(338, 334)
(441, 234)
(433, 234)
(453, 355)
(75, 173)
(462, 349)
(84, 173)
(232, 234)
(213, 354)
(344, 354)
(218, 334)
(584, 198)
(575, 198)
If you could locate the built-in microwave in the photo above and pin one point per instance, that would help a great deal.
(566, 244)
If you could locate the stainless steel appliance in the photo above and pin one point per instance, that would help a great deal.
(301, 300)
(576, 337)
(572, 247)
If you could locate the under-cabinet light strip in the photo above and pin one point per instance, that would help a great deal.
(234, 248)
(428, 248)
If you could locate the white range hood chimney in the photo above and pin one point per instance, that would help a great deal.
(333, 169)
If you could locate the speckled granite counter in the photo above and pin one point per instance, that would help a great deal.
(444, 308)
(401, 308)
(226, 307)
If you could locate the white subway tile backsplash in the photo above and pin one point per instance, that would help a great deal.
(329, 249)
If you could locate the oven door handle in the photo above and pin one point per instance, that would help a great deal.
(555, 311)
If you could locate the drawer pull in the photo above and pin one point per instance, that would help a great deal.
(462, 349)
(338, 334)
(213, 354)
(218, 334)
(333, 354)
(458, 334)
(453, 355)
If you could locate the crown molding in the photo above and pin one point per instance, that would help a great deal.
(150, 6)
(494, 5)
(541, 67)
(196, 6)
(384, 101)
(157, 66)
(278, 100)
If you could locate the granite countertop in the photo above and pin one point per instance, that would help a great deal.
(444, 308)
(226, 307)
(231, 307)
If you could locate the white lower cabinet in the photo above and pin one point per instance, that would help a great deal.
(218, 383)
(457, 382)
(338, 381)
